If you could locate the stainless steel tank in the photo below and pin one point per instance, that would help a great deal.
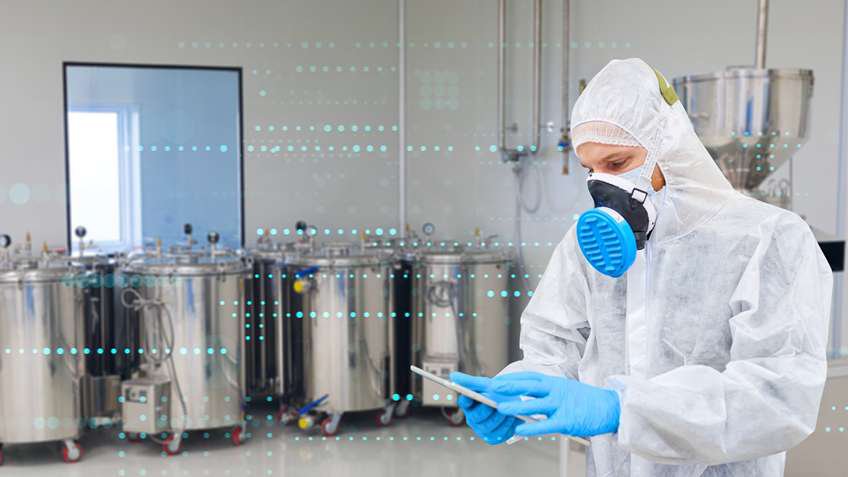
(111, 342)
(401, 256)
(345, 310)
(41, 352)
(752, 121)
(274, 339)
(190, 307)
(461, 316)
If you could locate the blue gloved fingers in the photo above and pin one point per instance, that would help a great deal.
(547, 426)
(507, 428)
(478, 413)
(546, 406)
(521, 376)
(487, 426)
(502, 433)
(474, 383)
(520, 387)
(465, 403)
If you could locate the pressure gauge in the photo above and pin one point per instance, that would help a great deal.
(428, 229)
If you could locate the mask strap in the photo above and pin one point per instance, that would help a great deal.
(643, 183)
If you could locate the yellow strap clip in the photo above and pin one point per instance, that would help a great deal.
(666, 90)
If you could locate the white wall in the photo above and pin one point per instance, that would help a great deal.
(270, 40)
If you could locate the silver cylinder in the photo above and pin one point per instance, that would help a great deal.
(461, 315)
(272, 358)
(41, 354)
(112, 343)
(345, 311)
(762, 34)
(205, 301)
(751, 121)
(537, 77)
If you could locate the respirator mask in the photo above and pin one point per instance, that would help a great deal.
(611, 234)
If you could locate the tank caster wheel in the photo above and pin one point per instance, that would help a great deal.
(172, 445)
(329, 427)
(455, 418)
(384, 419)
(237, 436)
(288, 417)
(280, 415)
(133, 438)
(402, 409)
(71, 452)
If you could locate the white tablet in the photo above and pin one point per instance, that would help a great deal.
(479, 398)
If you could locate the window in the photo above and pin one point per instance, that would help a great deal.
(152, 148)
(94, 164)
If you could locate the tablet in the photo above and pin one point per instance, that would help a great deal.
(479, 398)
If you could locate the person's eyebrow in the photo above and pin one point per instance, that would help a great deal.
(609, 157)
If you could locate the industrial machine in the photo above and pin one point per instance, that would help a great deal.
(190, 307)
(111, 342)
(42, 352)
(345, 306)
(274, 341)
(461, 317)
(752, 120)
(401, 256)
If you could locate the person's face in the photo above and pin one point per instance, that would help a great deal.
(610, 159)
(616, 160)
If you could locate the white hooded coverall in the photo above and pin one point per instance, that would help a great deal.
(723, 369)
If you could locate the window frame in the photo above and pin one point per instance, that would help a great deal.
(128, 118)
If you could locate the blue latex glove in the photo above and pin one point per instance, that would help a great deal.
(572, 407)
(492, 426)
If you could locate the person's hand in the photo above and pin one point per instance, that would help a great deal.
(573, 408)
(492, 426)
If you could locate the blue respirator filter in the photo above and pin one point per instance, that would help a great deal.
(606, 240)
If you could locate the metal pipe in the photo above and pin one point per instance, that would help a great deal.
(501, 74)
(402, 225)
(537, 76)
(566, 58)
(842, 187)
(762, 33)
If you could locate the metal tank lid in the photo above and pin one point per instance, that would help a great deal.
(94, 260)
(342, 255)
(460, 254)
(189, 263)
(733, 72)
(280, 250)
(26, 268)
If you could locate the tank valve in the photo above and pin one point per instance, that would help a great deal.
(564, 147)
(213, 238)
(5, 243)
(187, 230)
(305, 422)
(302, 280)
(80, 233)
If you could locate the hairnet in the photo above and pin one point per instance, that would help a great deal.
(601, 132)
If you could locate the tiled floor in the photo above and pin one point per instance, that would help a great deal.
(420, 445)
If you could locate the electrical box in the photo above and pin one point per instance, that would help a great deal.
(146, 405)
(433, 394)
